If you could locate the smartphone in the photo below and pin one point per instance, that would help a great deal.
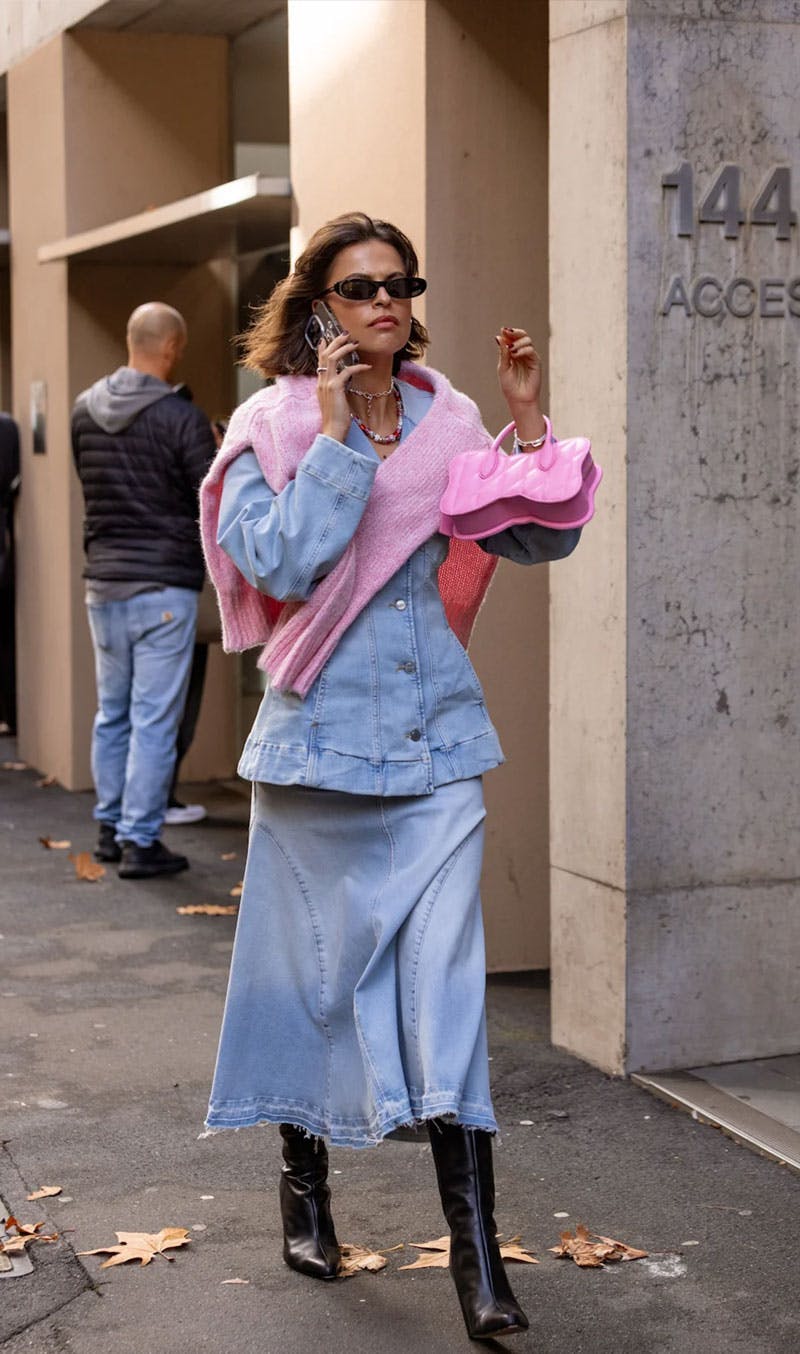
(323, 324)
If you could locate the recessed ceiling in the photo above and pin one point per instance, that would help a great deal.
(229, 17)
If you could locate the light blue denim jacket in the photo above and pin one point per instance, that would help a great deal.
(398, 708)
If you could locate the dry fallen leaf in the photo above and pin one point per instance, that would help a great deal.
(628, 1252)
(141, 1246)
(45, 782)
(593, 1254)
(230, 855)
(438, 1253)
(14, 766)
(438, 1256)
(514, 1250)
(45, 1192)
(356, 1258)
(209, 910)
(442, 1243)
(54, 845)
(86, 868)
(579, 1248)
(236, 891)
(26, 1233)
(24, 1228)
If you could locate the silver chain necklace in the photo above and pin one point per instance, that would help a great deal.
(369, 396)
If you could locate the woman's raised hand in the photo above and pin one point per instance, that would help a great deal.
(332, 384)
(519, 368)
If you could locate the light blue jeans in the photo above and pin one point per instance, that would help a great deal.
(143, 656)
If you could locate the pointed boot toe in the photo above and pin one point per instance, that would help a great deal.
(494, 1321)
(488, 1305)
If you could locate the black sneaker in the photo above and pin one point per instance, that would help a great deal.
(108, 848)
(142, 862)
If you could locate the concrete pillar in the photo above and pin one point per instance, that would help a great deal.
(674, 641)
(48, 515)
(128, 121)
(5, 275)
(444, 132)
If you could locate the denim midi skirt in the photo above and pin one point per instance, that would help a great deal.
(356, 996)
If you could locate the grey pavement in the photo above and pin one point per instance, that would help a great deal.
(110, 1004)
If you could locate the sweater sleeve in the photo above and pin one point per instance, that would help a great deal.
(284, 543)
(529, 543)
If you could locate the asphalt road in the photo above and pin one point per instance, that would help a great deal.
(110, 1004)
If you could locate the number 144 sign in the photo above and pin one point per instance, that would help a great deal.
(722, 204)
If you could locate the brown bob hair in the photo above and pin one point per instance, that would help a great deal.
(275, 344)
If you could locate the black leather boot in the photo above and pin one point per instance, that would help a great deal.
(145, 862)
(108, 848)
(463, 1158)
(309, 1240)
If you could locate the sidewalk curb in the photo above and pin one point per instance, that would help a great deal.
(57, 1276)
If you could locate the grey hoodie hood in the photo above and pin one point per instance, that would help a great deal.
(116, 400)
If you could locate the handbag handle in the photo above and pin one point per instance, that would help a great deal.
(546, 453)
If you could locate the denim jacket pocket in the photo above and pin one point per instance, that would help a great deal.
(281, 717)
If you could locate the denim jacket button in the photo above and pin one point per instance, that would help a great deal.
(414, 735)
(400, 604)
(407, 667)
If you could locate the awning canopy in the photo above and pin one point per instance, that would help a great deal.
(240, 217)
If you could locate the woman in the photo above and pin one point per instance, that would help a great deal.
(356, 996)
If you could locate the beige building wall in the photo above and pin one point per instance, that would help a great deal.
(130, 121)
(486, 254)
(588, 605)
(5, 274)
(47, 553)
(339, 161)
(463, 170)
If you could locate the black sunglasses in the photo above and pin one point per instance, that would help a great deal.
(364, 288)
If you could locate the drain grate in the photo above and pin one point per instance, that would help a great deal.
(12, 1266)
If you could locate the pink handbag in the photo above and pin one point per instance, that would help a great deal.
(489, 491)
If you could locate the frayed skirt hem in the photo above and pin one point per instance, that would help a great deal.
(351, 1135)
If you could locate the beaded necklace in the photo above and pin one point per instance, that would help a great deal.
(381, 439)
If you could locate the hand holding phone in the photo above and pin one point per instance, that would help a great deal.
(327, 338)
(323, 327)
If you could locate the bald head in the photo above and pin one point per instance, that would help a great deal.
(152, 324)
(156, 338)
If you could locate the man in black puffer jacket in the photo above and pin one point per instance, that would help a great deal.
(141, 449)
(9, 487)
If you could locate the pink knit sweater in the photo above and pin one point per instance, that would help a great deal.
(280, 423)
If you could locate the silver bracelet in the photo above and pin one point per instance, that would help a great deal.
(534, 445)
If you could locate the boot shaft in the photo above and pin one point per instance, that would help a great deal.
(463, 1158)
(464, 1172)
(309, 1237)
(303, 1154)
